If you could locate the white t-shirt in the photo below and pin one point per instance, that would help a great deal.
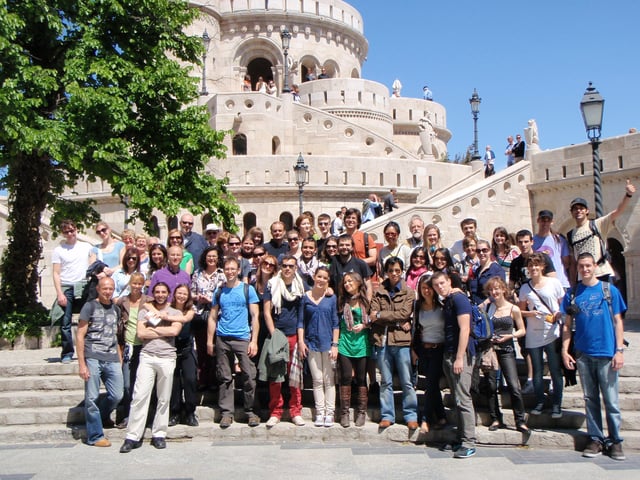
(73, 260)
(540, 332)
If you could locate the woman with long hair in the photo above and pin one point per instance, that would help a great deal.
(258, 236)
(318, 333)
(109, 250)
(417, 267)
(432, 240)
(487, 268)
(428, 345)
(508, 325)
(503, 251)
(185, 375)
(304, 226)
(442, 262)
(175, 239)
(157, 260)
(130, 264)
(354, 346)
(329, 251)
(204, 282)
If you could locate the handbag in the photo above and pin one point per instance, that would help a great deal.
(550, 318)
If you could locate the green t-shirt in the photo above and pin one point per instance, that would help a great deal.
(132, 327)
(352, 344)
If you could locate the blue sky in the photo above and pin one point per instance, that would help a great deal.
(527, 60)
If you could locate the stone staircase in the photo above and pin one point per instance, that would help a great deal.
(41, 401)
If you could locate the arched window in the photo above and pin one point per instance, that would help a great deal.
(287, 219)
(239, 144)
(206, 220)
(172, 222)
(153, 228)
(249, 221)
(275, 146)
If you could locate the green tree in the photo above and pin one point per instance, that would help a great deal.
(98, 88)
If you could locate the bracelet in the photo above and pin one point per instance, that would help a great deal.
(333, 344)
(629, 195)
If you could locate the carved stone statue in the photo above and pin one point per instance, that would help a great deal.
(531, 137)
(427, 134)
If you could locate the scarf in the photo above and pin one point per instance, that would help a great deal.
(308, 269)
(279, 291)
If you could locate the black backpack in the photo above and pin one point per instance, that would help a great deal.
(604, 254)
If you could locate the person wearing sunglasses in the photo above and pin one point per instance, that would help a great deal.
(130, 264)
(480, 275)
(109, 250)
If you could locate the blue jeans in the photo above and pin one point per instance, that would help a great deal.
(553, 359)
(66, 336)
(400, 358)
(596, 375)
(95, 408)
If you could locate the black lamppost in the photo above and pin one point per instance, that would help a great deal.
(285, 36)
(302, 177)
(474, 101)
(592, 106)
(206, 41)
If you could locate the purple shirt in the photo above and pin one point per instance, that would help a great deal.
(172, 279)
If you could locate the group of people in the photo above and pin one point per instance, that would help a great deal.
(258, 310)
(269, 86)
(514, 152)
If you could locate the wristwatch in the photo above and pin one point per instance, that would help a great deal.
(620, 350)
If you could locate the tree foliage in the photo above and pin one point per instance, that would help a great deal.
(99, 88)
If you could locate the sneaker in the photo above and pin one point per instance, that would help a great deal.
(328, 421)
(537, 410)
(556, 412)
(253, 420)
(226, 421)
(615, 451)
(272, 422)
(103, 442)
(528, 388)
(464, 452)
(67, 359)
(298, 421)
(319, 422)
(593, 449)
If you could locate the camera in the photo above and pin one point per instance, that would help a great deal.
(573, 310)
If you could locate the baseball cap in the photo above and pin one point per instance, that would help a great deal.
(545, 213)
(579, 201)
(212, 227)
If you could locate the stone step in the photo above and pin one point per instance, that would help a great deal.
(370, 433)
(41, 398)
(39, 369)
(49, 382)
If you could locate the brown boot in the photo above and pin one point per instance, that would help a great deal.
(363, 398)
(345, 403)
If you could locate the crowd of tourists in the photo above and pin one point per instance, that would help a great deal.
(223, 312)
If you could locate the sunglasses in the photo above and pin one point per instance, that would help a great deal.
(175, 238)
(66, 232)
(186, 223)
(484, 250)
(286, 265)
(102, 230)
(294, 239)
(234, 244)
(261, 254)
(132, 258)
(269, 264)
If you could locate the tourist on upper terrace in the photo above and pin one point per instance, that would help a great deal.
(246, 84)
(583, 238)
(518, 149)
(295, 93)
(393, 247)
(277, 245)
(509, 151)
(311, 75)
(426, 93)
(193, 242)
(392, 316)
(416, 228)
(70, 261)
(272, 89)
(109, 251)
(371, 208)
(261, 85)
(596, 319)
(364, 246)
(390, 201)
(539, 301)
(489, 159)
(323, 74)
(99, 358)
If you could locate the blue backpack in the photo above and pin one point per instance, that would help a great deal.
(481, 325)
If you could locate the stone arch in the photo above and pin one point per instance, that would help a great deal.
(172, 222)
(355, 73)
(248, 221)
(259, 56)
(618, 264)
(275, 145)
(153, 227)
(307, 64)
(287, 219)
(239, 144)
(333, 68)
(206, 220)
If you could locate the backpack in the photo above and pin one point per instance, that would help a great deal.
(481, 325)
(604, 254)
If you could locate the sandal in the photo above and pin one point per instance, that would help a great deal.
(522, 428)
(424, 428)
(495, 426)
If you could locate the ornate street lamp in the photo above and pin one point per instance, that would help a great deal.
(285, 36)
(206, 41)
(475, 101)
(302, 177)
(592, 107)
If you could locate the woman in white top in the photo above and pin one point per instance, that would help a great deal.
(393, 248)
(539, 302)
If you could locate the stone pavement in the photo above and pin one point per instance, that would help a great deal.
(278, 460)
